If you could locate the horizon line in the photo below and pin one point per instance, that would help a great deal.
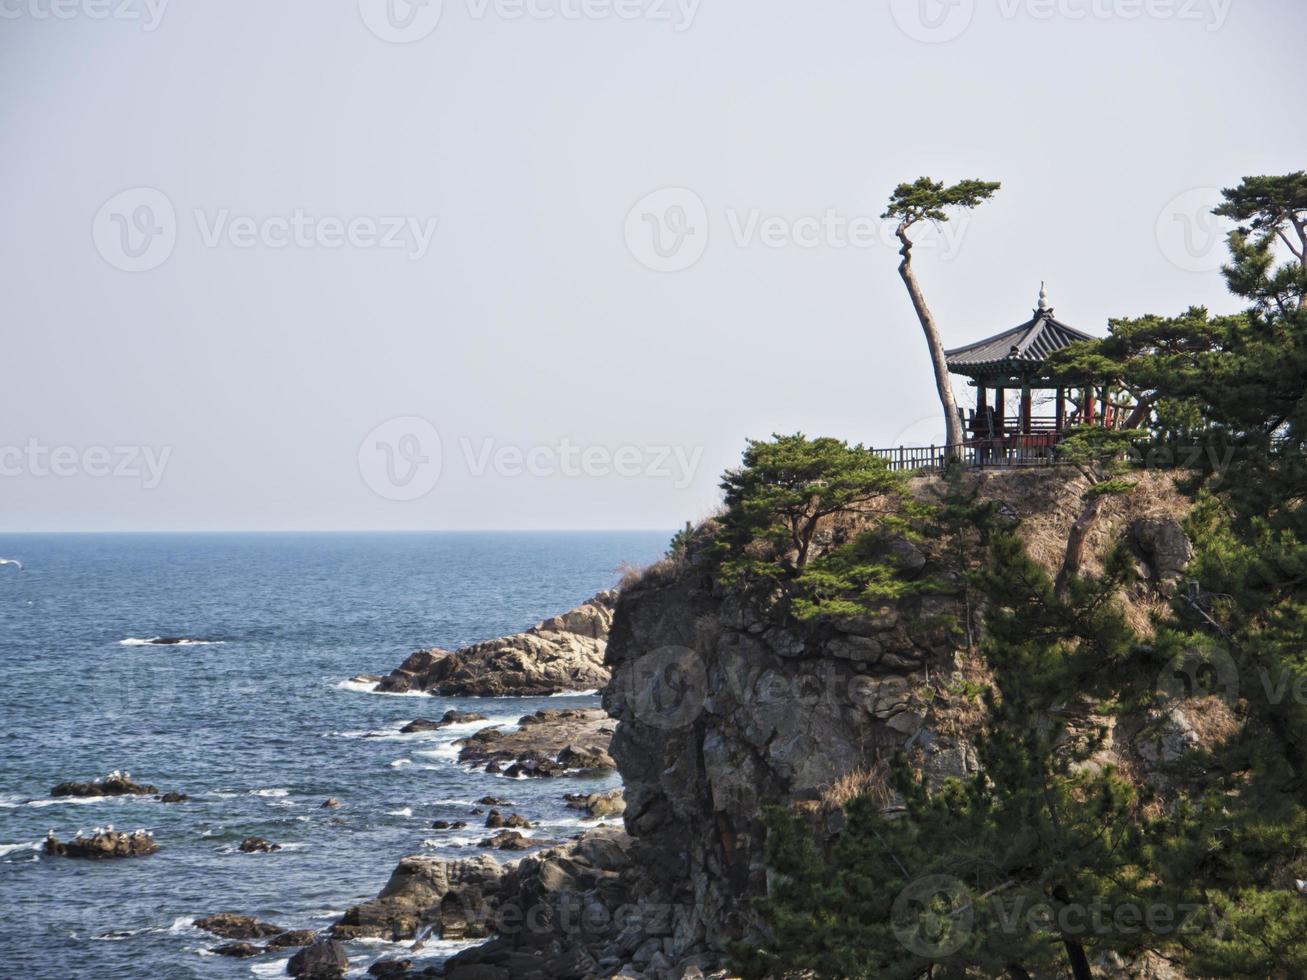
(361, 530)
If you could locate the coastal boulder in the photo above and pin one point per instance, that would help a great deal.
(418, 889)
(324, 960)
(103, 844)
(450, 717)
(546, 743)
(117, 783)
(230, 925)
(597, 805)
(251, 845)
(238, 950)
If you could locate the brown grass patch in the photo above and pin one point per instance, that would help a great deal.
(870, 781)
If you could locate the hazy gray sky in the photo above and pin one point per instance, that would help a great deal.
(285, 263)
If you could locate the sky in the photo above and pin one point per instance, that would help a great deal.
(508, 264)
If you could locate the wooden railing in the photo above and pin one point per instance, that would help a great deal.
(1036, 449)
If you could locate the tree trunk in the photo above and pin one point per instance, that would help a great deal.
(1079, 961)
(1075, 544)
(952, 424)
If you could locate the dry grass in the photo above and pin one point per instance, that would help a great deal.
(871, 781)
(1212, 719)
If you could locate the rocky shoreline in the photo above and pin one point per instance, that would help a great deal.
(560, 654)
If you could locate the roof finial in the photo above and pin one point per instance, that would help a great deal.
(1043, 298)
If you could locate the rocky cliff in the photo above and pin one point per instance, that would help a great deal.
(722, 711)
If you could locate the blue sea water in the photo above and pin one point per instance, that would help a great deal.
(259, 727)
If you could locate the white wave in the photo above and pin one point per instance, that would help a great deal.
(277, 968)
(7, 849)
(77, 800)
(277, 791)
(370, 687)
(183, 923)
(406, 812)
(435, 842)
(362, 687)
(400, 763)
(578, 823)
(117, 937)
(445, 753)
(157, 641)
(577, 694)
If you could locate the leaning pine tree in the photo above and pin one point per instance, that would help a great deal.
(910, 205)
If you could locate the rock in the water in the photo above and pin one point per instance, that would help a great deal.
(591, 758)
(115, 784)
(230, 925)
(422, 891)
(251, 845)
(573, 892)
(292, 937)
(511, 840)
(103, 844)
(330, 803)
(450, 717)
(173, 798)
(324, 960)
(545, 744)
(390, 968)
(449, 825)
(240, 950)
(598, 805)
(565, 653)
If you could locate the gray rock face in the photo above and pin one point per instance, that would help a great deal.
(722, 714)
(564, 653)
(1165, 548)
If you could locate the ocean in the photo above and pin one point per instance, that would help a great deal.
(259, 725)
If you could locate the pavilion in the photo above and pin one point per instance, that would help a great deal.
(1014, 363)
